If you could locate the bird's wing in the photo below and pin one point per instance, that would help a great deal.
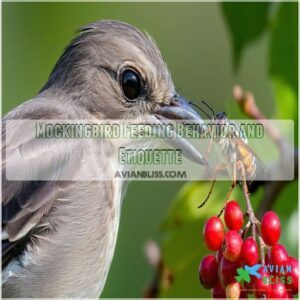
(256, 267)
(25, 202)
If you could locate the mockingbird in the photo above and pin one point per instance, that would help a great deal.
(59, 236)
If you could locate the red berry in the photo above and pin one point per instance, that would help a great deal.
(232, 245)
(278, 255)
(293, 287)
(213, 233)
(249, 253)
(218, 292)
(261, 286)
(278, 290)
(227, 271)
(270, 228)
(233, 216)
(208, 271)
(233, 291)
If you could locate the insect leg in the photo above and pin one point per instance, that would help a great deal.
(233, 183)
(250, 212)
(217, 170)
(240, 165)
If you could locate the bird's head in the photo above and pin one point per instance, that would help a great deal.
(116, 71)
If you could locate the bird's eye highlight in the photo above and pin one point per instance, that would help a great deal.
(131, 84)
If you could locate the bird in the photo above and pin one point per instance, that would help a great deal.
(59, 236)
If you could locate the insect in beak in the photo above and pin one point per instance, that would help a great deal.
(180, 109)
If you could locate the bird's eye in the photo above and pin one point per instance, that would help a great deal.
(131, 84)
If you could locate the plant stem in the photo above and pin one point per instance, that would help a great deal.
(262, 249)
(250, 210)
(254, 222)
(244, 231)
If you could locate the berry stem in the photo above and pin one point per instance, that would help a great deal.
(262, 249)
(250, 210)
(253, 221)
(245, 229)
(221, 211)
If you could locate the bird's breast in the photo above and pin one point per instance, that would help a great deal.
(71, 256)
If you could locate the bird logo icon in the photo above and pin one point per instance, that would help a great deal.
(244, 273)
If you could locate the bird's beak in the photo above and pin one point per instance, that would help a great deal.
(180, 109)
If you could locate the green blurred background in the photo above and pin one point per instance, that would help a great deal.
(197, 46)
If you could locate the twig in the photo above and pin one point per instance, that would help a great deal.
(221, 211)
(248, 105)
(244, 231)
(262, 249)
(250, 211)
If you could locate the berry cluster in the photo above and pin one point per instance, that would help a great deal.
(235, 251)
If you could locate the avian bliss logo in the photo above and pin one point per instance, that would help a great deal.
(244, 273)
(277, 273)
